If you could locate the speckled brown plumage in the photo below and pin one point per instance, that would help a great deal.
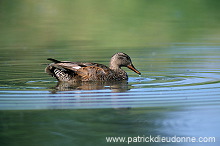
(78, 71)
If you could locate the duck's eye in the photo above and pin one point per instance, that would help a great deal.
(121, 58)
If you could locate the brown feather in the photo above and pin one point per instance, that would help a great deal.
(78, 71)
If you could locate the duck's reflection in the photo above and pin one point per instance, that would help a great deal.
(104, 98)
(120, 86)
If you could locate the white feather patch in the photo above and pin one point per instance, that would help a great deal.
(76, 67)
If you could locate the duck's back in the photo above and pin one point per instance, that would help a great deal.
(78, 71)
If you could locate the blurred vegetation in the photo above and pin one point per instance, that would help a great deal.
(31, 31)
(108, 23)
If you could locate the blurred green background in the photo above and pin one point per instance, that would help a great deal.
(31, 31)
(173, 43)
(113, 23)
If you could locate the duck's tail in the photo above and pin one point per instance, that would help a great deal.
(60, 72)
(53, 60)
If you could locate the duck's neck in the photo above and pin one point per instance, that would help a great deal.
(115, 68)
(113, 64)
(119, 73)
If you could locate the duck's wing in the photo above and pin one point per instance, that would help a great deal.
(94, 73)
(76, 65)
(66, 71)
(62, 70)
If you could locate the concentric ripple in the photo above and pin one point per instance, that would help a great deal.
(195, 88)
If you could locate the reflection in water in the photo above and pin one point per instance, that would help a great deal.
(119, 86)
(89, 95)
(182, 62)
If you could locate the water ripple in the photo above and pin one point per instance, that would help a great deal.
(154, 91)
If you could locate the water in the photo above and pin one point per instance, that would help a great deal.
(176, 95)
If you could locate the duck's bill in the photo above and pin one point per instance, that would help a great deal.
(131, 67)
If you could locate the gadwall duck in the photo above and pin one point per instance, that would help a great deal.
(78, 71)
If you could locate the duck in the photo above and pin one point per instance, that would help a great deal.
(66, 71)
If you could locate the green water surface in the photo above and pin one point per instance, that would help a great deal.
(174, 44)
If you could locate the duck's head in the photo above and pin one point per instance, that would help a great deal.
(119, 60)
